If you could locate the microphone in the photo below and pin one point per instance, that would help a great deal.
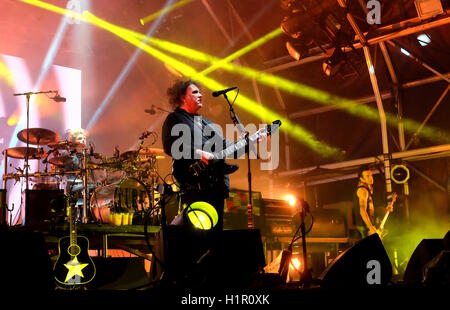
(217, 93)
(144, 135)
(151, 110)
(58, 98)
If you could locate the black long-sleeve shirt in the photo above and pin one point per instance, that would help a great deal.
(195, 126)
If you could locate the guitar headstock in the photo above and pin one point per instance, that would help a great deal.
(275, 125)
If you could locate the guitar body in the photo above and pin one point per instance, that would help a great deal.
(74, 265)
(206, 177)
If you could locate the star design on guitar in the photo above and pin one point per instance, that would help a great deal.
(74, 269)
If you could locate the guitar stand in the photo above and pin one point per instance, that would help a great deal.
(306, 277)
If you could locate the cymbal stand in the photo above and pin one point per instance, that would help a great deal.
(28, 95)
(85, 188)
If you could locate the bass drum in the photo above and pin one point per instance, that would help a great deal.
(124, 196)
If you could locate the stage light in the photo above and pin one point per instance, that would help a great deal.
(423, 39)
(332, 65)
(295, 264)
(295, 268)
(291, 199)
(405, 52)
(298, 25)
(296, 50)
(400, 174)
(198, 215)
(428, 8)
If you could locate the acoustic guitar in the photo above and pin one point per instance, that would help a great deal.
(74, 266)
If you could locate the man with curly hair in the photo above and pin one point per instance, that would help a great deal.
(185, 134)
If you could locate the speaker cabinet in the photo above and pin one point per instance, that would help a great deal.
(209, 259)
(43, 206)
(364, 264)
(25, 263)
(424, 252)
(119, 273)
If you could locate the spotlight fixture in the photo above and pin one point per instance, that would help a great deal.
(428, 8)
(400, 174)
(332, 65)
(423, 39)
(291, 199)
(198, 215)
(296, 50)
(298, 25)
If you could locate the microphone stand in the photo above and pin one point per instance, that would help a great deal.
(28, 96)
(243, 132)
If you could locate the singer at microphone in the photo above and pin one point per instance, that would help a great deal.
(185, 123)
(217, 93)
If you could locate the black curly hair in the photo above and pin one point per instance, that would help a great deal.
(362, 169)
(178, 90)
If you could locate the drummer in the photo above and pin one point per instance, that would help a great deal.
(77, 140)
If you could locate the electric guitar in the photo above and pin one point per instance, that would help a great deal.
(202, 173)
(381, 231)
(74, 266)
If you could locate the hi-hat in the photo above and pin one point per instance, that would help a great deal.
(143, 153)
(21, 151)
(38, 136)
(61, 161)
(60, 145)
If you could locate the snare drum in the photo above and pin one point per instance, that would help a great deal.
(124, 196)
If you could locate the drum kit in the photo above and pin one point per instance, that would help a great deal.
(124, 183)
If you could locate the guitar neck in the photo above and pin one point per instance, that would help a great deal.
(234, 147)
(72, 225)
(383, 221)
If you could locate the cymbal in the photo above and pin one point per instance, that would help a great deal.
(61, 161)
(37, 136)
(20, 152)
(148, 151)
(151, 151)
(64, 144)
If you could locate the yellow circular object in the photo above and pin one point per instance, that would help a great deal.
(202, 215)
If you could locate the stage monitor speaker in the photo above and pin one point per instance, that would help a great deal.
(236, 260)
(424, 253)
(44, 205)
(25, 263)
(119, 273)
(3, 207)
(209, 259)
(364, 264)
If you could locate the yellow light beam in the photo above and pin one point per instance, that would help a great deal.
(151, 17)
(245, 103)
(6, 74)
(249, 105)
(302, 90)
(220, 63)
(298, 89)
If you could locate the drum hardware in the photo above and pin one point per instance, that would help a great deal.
(64, 145)
(128, 195)
(20, 152)
(37, 136)
(61, 161)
